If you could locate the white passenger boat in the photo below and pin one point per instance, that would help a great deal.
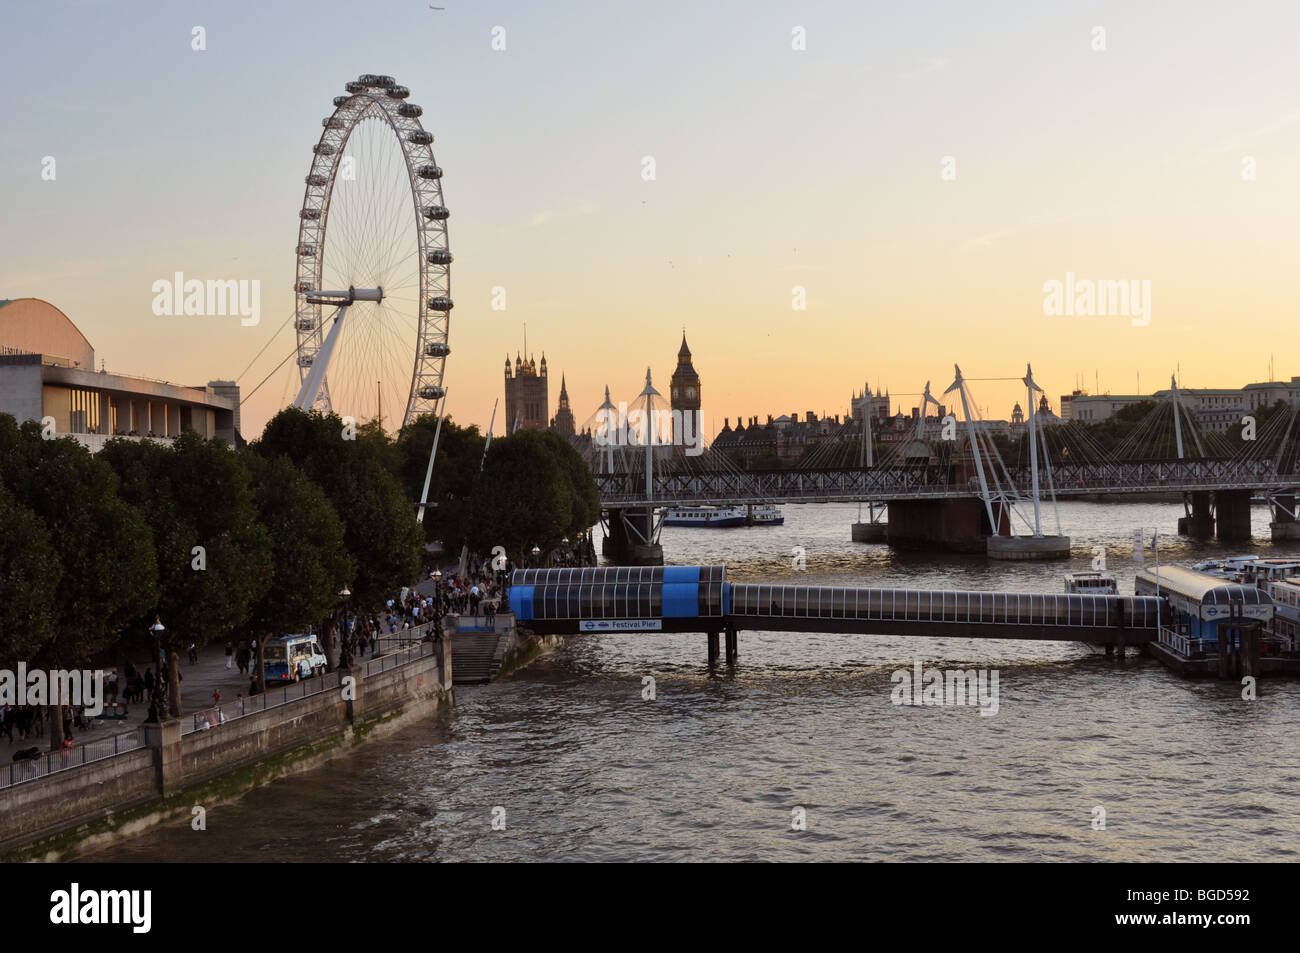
(1091, 583)
(708, 516)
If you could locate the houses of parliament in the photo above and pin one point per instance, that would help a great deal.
(528, 401)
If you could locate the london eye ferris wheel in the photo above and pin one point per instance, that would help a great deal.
(373, 287)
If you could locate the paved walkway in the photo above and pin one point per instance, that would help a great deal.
(197, 684)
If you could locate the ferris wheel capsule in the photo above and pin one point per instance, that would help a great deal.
(310, 214)
(430, 172)
(437, 349)
(410, 111)
(376, 79)
(340, 100)
(333, 122)
(398, 92)
(440, 256)
(324, 149)
(436, 213)
(441, 303)
(433, 392)
(317, 180)
(355, 87)
(420, 137)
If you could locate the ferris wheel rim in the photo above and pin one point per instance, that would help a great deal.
(377, 97)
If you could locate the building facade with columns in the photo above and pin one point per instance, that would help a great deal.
(47, 373)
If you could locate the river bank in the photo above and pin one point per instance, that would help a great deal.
(187, 766)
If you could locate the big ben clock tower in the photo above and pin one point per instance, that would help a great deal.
(685, 393)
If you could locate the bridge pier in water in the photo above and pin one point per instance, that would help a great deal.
(1284, 525)
(1199, 521)
(632, 539)
(953, 525)
(733, 646)
(1232, 514)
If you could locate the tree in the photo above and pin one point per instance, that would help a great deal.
(455, 473)
(379, 529)
(107, 571)
(214, 557)
(309, 562)
(29, 578)
(585, 504)
(532, 493)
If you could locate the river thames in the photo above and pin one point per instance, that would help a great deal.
(572, 763)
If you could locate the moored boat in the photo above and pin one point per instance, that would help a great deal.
(706, 516)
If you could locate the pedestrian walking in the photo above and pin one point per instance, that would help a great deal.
(230, 655)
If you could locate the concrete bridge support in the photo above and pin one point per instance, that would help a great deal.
(870, 532)
(1232, 514)
(1199, 521)
(631, 540)
(954, 525)
(1284, 526)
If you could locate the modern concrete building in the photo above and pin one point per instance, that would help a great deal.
(47, 371)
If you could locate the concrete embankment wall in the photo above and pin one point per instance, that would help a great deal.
(56, 815)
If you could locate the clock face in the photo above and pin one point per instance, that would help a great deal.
(690, 392)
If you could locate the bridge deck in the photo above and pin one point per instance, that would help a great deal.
(896, 483)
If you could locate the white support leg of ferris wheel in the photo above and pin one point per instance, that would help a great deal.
(321, 359)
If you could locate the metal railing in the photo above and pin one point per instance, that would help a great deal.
(263, 701)
(758, 486)
(52, 762)
(1183, 644)
(406, 656)
(209, 718)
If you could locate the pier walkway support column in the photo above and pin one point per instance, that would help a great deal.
(1232, 514)
(733, 646)
(1284, 525)
(713, 648)
(1199, 521)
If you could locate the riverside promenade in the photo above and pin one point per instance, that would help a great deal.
(198, 682)
(129, 777)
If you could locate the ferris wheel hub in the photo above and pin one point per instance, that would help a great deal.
(338, 298)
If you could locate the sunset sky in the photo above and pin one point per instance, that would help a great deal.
(775, 168)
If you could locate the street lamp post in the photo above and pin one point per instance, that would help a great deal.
(345, 658)
(536, 551)
(437, 603)
(155, 710)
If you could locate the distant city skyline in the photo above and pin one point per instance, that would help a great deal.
(868, 177)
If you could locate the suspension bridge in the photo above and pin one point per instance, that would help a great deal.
(951, 484)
